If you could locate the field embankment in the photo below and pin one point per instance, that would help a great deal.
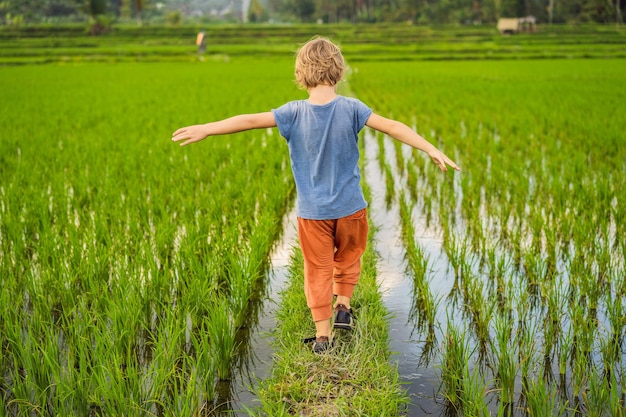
(70, 43)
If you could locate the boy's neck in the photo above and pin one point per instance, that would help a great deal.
(322, 94)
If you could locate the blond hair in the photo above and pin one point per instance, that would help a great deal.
(319, 62)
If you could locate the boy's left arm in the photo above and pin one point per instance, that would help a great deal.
(405, 134)
(239, 123)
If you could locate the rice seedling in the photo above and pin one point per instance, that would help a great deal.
(454, 365)
(505, 364)
(424, 305)
(478, 311)
(474, 390)
(596, 397)
(526, 343)
(617, 401)
(554, 299)
(565, 351)
(540, 398)
(221, 332)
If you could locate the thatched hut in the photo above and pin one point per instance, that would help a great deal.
(508, 26)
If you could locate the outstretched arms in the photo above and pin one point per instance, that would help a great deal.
(239, 123)
(405, 134)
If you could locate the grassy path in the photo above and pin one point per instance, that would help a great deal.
(355, 378)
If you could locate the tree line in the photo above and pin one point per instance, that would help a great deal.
(13, 12)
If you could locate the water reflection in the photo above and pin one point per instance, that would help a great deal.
(413, 349)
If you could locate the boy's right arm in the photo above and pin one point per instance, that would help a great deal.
(239, 123)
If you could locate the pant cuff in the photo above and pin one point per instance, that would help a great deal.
(322, 313)
(345, 290)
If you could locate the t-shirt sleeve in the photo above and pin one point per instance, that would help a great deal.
(284, 117)
(362, 114)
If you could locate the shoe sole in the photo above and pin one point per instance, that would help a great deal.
(343, 326)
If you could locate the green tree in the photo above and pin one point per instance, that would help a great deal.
(97, 7)
(256, 12)
(125, 9)
(305, 9)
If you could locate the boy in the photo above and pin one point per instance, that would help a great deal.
(322, 137)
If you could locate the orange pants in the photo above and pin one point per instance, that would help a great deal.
(332, 251)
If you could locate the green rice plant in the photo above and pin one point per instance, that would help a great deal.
(203, 365)
(497, 282)
(152, 386)
(221, 331)
(120, 387)
(456, 252)
(580, 366)
(617, 400)
(424, 308)
(188, 390)
(454, 365)
(382, 152)
(565, 350)
(596, 398)
(412, 184)
(41, 371)
(505, 364)
(479, 311)
(554, 299)
(526, 338)
(541, 399)
(620, 283)
(240, 289)
(617, 321)
(474, 393)
(399, 160)
(390, 188)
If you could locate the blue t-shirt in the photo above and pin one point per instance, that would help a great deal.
(323, 147)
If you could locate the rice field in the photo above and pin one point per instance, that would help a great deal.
(131, 266)
(531, 317)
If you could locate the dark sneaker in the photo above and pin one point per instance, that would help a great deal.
(321, 344)
(343, 318)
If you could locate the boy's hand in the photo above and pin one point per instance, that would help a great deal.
(190, 134)
(441, 160)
